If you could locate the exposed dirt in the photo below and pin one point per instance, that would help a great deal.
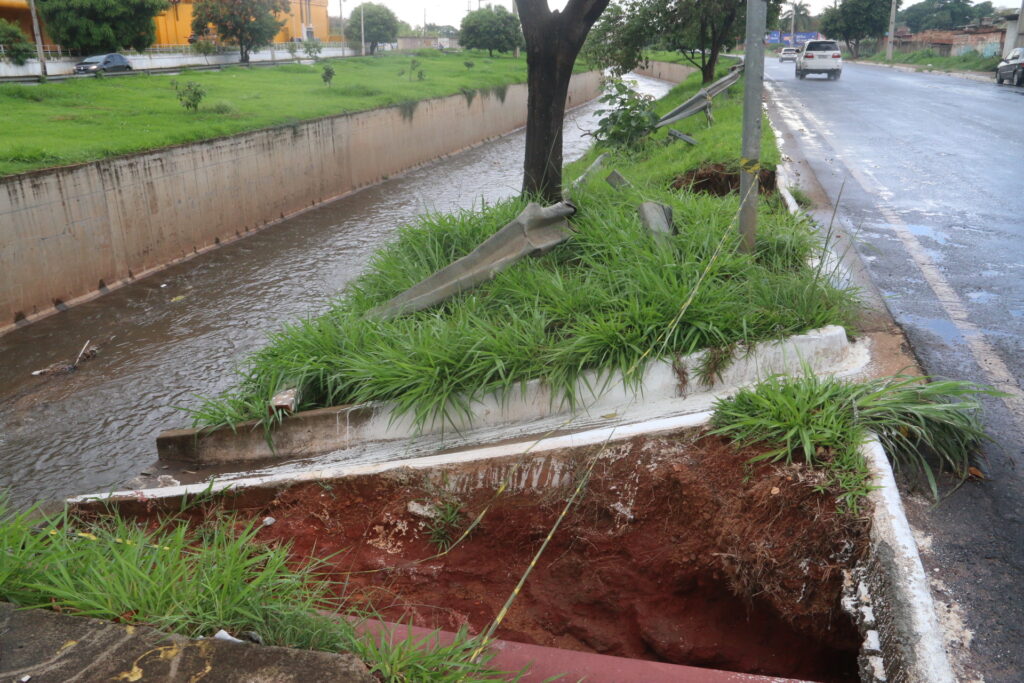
(716, 179)
(677, 551)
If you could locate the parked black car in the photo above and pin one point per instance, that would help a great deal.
(105, 63)
(1011, 68)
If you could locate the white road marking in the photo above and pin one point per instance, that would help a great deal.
(984, 353)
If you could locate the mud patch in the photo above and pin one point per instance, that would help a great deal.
(678, 551)
(716, 179)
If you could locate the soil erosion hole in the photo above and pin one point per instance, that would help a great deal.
(716, 179)
(678, 551)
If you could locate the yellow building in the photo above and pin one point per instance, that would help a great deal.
(307, 19)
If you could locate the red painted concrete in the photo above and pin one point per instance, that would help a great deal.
(547, 662)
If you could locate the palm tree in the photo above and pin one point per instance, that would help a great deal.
(802, 18)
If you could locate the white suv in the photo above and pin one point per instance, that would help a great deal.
(820, 57)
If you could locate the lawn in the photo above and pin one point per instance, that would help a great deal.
(85, 119)
(611, 299)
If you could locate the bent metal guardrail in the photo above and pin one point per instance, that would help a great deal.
(701, 102)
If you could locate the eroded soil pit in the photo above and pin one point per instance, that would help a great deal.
(677, 551)
(720, 181)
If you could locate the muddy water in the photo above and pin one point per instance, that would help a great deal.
(182, 331)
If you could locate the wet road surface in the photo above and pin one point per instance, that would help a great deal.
(181, 332)
(927, 171)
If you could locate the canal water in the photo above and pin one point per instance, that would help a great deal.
(181, 332)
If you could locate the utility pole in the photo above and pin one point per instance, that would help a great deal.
(362, 28)
(892, 31)
(750, 164)
(39, 39)
(1020, 25)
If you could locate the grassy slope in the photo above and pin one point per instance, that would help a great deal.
(89, 118)
(972, 61)
(609, 299)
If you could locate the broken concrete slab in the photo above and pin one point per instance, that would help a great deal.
(46, 647)
(657, 218)
(617, 180)
(534, 231)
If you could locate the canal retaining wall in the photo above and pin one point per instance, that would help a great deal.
(71, 233)
(666, 71)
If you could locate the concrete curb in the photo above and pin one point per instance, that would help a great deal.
(324, 430)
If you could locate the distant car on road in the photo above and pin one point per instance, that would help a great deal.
(1011, 68)
(788, 54)
(103, 63)
(820, 57)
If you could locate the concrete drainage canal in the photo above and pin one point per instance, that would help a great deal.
(673, 549)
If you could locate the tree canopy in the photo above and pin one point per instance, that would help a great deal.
(854, 20)
(89, 26)
(381, 25)
(250, 24)
(699, 29)
(943, 14)
(17, 49)
(491, 28)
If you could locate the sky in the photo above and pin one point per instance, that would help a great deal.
(451, 11)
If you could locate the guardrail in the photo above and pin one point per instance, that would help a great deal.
(701, 102)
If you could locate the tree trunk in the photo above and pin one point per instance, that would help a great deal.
(243, 53)
(553, 39)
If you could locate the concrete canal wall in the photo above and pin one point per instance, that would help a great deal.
(666, 71)
(72, 233)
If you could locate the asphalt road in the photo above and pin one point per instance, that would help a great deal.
(927, 172)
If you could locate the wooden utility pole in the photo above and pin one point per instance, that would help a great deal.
(750, 164)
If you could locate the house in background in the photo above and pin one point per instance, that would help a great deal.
(307, 20)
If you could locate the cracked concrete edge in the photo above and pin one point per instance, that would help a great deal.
(319, 432)
(915, 649)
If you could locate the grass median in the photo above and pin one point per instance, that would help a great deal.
(929, 59)
(610, 300)
(85, 119)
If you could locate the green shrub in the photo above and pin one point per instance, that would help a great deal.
(328, 74)
(190, 94)
(16, 46)
(630, 120)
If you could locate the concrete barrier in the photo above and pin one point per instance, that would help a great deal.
(666, 71)
(71, 233)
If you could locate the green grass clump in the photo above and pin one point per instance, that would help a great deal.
(611, 299)
(196, 580)
(971, 61)
(824, 421)
(85, 119)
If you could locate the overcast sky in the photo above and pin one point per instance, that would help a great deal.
(451, 11)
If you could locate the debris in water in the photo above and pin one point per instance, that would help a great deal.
(180, 297)
(166, 480)
(61, 368)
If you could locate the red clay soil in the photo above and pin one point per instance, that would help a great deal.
(677, 551)
(716, 179)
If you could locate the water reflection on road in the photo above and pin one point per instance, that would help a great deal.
(181, 332)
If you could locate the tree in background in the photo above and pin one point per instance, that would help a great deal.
(17, 48)
(250, 24)
(802, 19)
(553, 39)
(854, 20)
(491, 28)
(619, 38)
(943, 14)
(87, 26)
(439, 31)
(380, 22)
